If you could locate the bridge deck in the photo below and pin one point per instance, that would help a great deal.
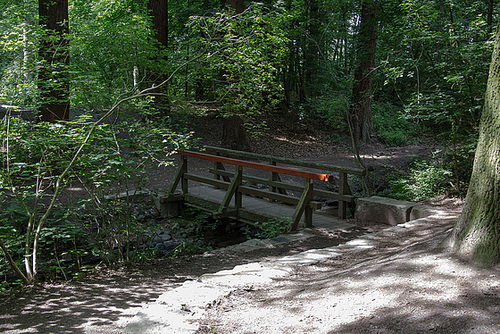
(272, 209)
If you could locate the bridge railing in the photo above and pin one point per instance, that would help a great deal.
(343, 195)
(278, 190)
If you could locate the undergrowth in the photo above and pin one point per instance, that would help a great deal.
(426, 179)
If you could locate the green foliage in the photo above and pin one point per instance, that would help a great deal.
(10, 233)
(35, 154)
(111, 45)
(246, 54)
(113, 158)
(440, 73)
(61, 245)
(191, 248)
(18, 64)
(111, 226)
(426, 180)
(272, 228)
(391, 126)
(112, 51)
(432, 61)
(193, 224)
(458, 157)
(331, 108)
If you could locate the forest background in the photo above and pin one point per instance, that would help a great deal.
(125, 76)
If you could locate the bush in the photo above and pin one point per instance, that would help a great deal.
(271, 228)
(426, 180)
(460, 159)
(390, 124)
(332, 109)
(40, 159)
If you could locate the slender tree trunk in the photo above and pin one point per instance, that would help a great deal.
(290, 70)
(477, 233)
(360, 112)
(234, 135)
(312, 55)
(27, 49)
(53, 77)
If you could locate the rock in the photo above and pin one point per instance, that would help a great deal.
(383, 210)
(165, 236)
(423, 211)
(158, 239)
(170, 245)
(390, 211)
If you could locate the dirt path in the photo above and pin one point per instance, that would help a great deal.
(105, 301)
(409, 284)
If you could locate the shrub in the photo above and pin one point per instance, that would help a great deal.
(332, 109)
(271, 228)
(426, 180)
(40, 159)
(390, 124)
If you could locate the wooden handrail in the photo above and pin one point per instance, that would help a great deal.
(294, 162)
(257, 165)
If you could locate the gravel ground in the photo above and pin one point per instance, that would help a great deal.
(410, 284)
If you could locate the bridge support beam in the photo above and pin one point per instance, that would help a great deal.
(232, 191)
(303, 205)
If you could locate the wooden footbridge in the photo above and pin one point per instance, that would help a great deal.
(251, 196)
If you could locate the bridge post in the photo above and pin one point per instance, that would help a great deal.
(184, 180)
(238, 196)
(343, 190)
(219, 166)
(178, 176)
(275, 177)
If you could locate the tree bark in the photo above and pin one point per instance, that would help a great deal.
(237, 5)
(313, 66)
(159, 18)
(360, 112)
(489, 15)
(53, 77)
(234, 135)
(477, 233)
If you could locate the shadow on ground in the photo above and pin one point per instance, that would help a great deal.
(409, 284)
(66, 308)
(105, 302)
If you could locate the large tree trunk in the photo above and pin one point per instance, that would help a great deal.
(159, 18)
(360, 112)
(53, 77)
(237, 5)
(477, 233)
(159, 13)
(234, 135)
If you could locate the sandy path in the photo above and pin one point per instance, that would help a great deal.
(409, 284)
